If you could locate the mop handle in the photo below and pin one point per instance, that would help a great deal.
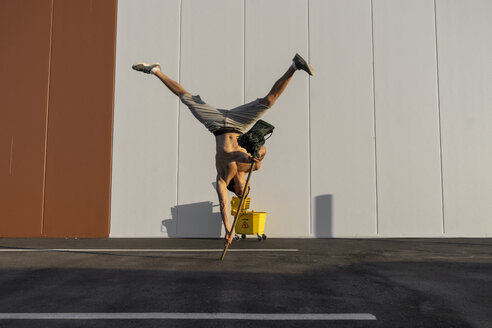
(243, 197)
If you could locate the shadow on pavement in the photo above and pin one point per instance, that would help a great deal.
(197, 220)
(399, 294)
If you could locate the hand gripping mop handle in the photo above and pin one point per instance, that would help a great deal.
(238, 212)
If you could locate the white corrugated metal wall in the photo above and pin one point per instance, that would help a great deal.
(392, 137)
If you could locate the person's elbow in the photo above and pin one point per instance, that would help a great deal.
(262, 152)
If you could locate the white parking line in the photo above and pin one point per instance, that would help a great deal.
(187, 316)
(145, 250)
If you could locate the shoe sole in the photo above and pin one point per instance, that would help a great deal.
(310, 69)
(144, 67)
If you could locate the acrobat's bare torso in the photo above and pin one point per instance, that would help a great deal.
(233, 162)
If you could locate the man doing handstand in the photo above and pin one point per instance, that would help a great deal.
(231, 161)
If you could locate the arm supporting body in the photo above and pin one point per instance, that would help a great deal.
(222, 192)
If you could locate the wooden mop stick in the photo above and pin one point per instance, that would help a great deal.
(238, 212)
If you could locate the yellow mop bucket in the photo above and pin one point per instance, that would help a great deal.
(251, 223)
(235, 203)
(248, 223)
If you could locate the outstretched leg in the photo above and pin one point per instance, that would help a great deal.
(298, 63)
(155, 69)
(172, 85)
(278, 88)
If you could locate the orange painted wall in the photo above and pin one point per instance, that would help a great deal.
(57, 100)
(78, 167)
(25, 28)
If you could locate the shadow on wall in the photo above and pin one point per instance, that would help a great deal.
(196, 220)
(323, 216)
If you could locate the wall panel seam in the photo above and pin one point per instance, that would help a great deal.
(439, 119)
(374, 118)
(180, 25)
(42, 233)
(244, 51)
(116, 3)
(311, 232)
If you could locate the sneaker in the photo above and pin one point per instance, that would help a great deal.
(146, 68)
(301, 63)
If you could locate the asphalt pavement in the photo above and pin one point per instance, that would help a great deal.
(274, 283)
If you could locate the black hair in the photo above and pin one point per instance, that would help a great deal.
(231, 185)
